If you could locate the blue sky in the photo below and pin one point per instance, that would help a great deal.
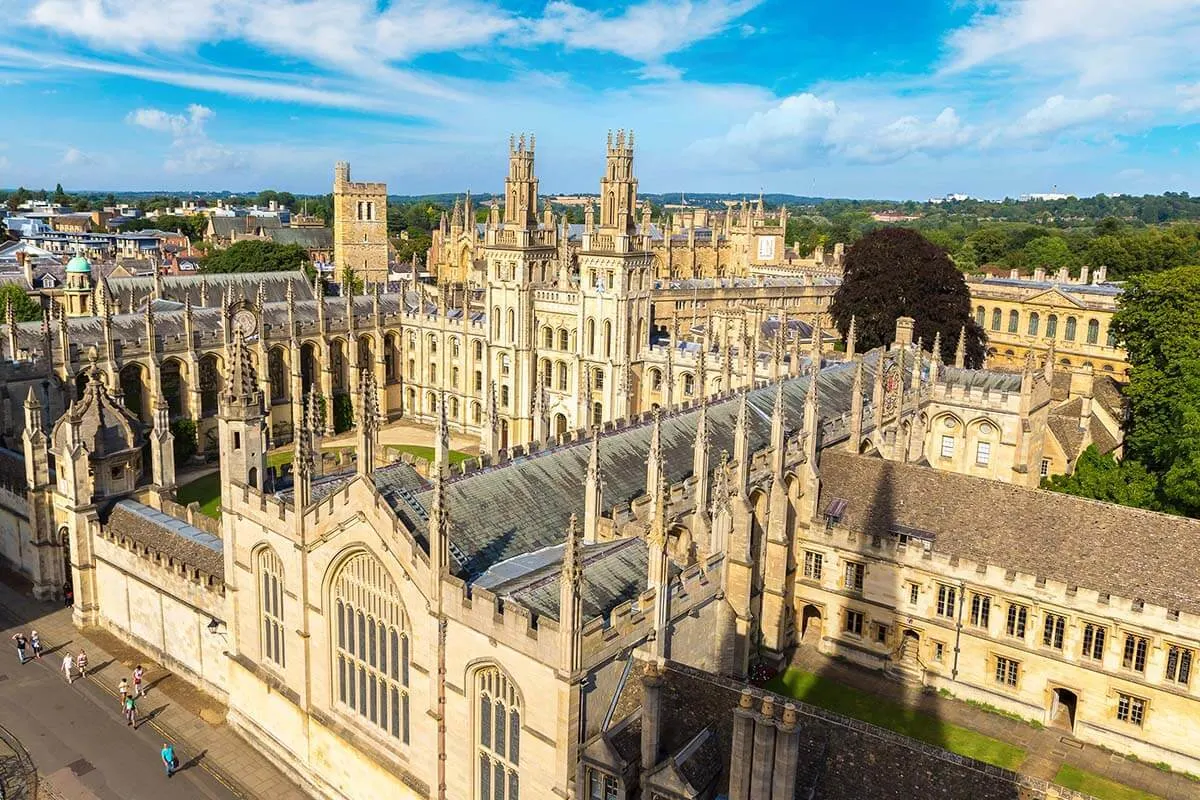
(875, 98)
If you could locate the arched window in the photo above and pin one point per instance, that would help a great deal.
(505, 364)
(1014, 320)
(689, 385)
(979, 312)
(1112, 337)
(1051, 326)
(496, 323)
(995, 319)
(607, 339)
(432, 339)
(597, 379)
(431, 401)
(389, 358)
(479, 380)
(1069, 335)
(547, 376)
(655, 379)
(453, 408)
(564, 339)
(591, 337)
(1034, 320)
(454, 377)
(412, 369)
(454, 347)
(476, 413)
(497, 736)
(478, 349)
(597, 413)
(433, 372)
(511, 323)
(562, 376)
(548, 337)
(1093, 331)
(270, 605)
(371, 651)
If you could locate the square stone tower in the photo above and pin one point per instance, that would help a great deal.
(359, 226)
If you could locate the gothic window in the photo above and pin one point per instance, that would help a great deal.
(1014, 320)
(371, 652)
(432, 340)
(504, 396)
(1179, 664)
(479, 380)
(277, 370)
(412, 340)
(1007, 672)
(270, 605)
(1017, 617)
(947, 595)
(454, 377)
(607, 339)
(981, 610)
(655, 380)
(1134, 655)
(511, 325)
(497, 736)
(505, 364)
(366, 352)
(1053, 630)
(947, 446)
(561, 368)
(1069, 335)
(476, 413)
(431, 401)
(689, 385)
(1051, 326)
(453, 408)
(337, 360)
(478, 350)
(591, 337)
(602, 786)
(564, 339)
(412, 369)
(454, 347)
(548, 337)
(432, 373)
(597, 413)
(597, 379)
(210, 385)
(1034, 319)
(496, 323)
(389, 358)
(1093, 331)
(983, 453)
(995, 319)
(1131, 709)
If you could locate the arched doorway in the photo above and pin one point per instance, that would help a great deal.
(1063, 703)
(133, 387)
(64, 541)
(503, 434)
(811, 624)
(560, 426)
(173, 386)
(910, 647)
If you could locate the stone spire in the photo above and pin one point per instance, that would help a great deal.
(812, 417)
(489, 439)
(316, 426)
(654, 459)
(593, 492)
(856, 407)
(10, 322)
(36, 446)
(439, 517)
(302, 461)
(570, 602)
(368, 424)
(162, 446)
(816, 346)
(960, 352)
(778, 435)
(659, 570)
(851, 338)
(441, 444)
(918, 353)
(741, 444)
(240, 385)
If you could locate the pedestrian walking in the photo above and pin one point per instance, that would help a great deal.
(68, 594)
(169, 760)
(82, 663)
(19, 638)
(130, 711)
(68, 667)
(35, 643)
(123, 688)
(138, 673)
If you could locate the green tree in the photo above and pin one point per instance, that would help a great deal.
(1158, 323)
(1051, 252)
(990, 244)
(1101, 477)
(60, 197)
(896, 272)
(25, 308)
(257, 255)
(21, 195)
(184, 431)
(1109, 251)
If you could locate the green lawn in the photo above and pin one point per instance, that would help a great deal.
(421, 451)
(1095, 785)
(206, 491)
(851, 702)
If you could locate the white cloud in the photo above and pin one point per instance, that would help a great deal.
(803, 127)
(1189, 97)
(646, 32)
(1059, 113)
(74, 157)
(191, 152)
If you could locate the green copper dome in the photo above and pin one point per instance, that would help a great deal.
(79, 264)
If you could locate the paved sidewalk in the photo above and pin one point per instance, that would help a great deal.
(1047, 748)
(191, 720)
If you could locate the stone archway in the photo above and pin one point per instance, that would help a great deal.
(560, 426)
(1063, 705)
(134, 388)
(811, 625)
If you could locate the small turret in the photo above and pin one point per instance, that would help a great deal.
(593, 489)
(570, 602)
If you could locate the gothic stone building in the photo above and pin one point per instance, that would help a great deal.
(572, 620)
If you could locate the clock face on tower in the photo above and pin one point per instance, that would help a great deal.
(244, 322)
(766, 248)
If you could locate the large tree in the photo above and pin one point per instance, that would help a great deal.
(1158, 323)
(897, 272)
(257, 255)
(25, 308)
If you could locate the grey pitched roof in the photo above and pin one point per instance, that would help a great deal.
(168, 535)
(1127, 552)
(524, 505)
(207, 289)
(313, 238)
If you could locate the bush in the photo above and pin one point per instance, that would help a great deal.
(184, 431)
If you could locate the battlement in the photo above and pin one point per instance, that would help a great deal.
(517, 145)
(622, 144)
(343, 185)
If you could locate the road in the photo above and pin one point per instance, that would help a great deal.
(78, 740)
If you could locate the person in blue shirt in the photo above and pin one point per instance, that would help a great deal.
(169, 760)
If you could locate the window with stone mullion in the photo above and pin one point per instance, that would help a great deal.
(498, 737)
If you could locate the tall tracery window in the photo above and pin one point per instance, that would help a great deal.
(270, 605)
(498, 736)
(371, 652)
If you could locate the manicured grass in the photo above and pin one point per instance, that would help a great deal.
(1097, 786)
(421, 451)
(851, 702)
(206, 491)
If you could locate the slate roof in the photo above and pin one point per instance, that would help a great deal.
(1127, 552)
(524, 505)
(311, 238)
(208, 289)
(167, 535)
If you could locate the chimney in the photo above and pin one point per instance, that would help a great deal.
(1083, 274)
(1039, 273)
(1014, 273)
(904, 333)
(1100, 275)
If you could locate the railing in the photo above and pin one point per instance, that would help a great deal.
(18, 775)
